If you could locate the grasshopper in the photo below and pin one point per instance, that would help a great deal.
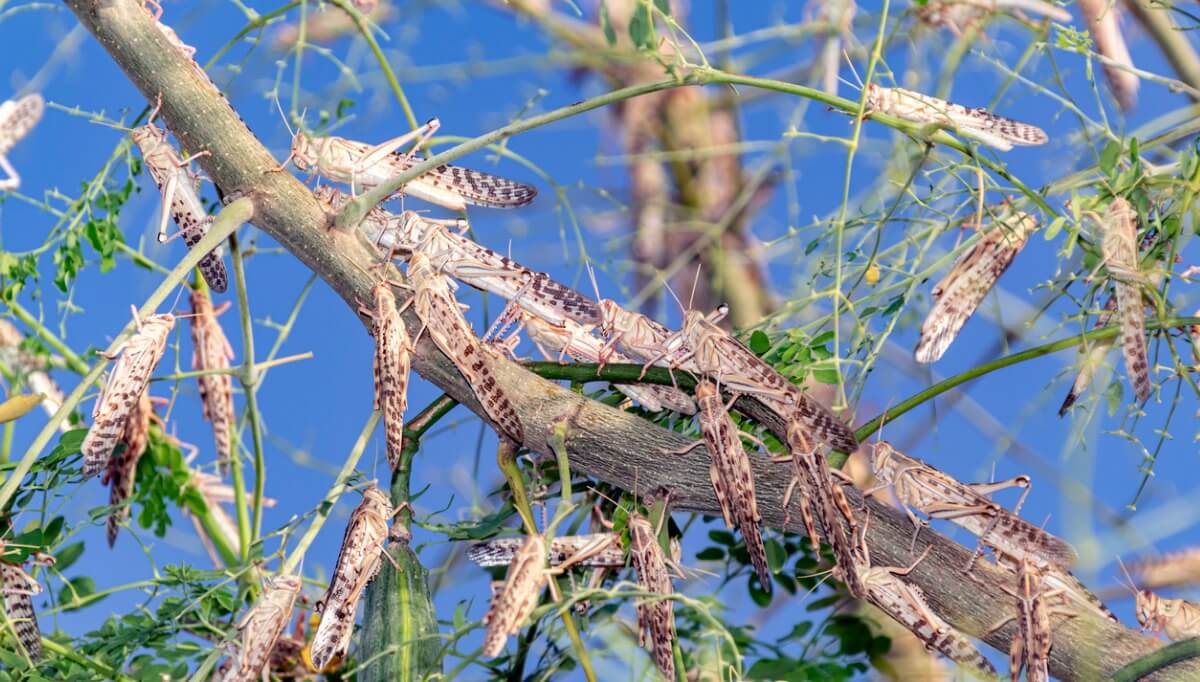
(180, 199)
(127, 381)
(434, 303)
(1030, 647)
(1176, 618)
(362, 165)
(1119, 247)
(813, 476)
(19, 588)
(515, 600)
(577, 342)
(938, 495)
(122, 469)
(907, 605)
(211, 350)
(1093, 357)
(359, 561)
(979, 124)
(392, 364)
(963, 288)
(656, 615)
(17, 118)
(261, 627)
(1171, 570)
(471, 263)
(602, 550)
(731, 476)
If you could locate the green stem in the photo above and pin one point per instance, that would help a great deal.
(180, 376)
(506, 458)
(249, 381)
(74, 362)
(1159, 659)
(226, 222)
(71, 654)
(558, 445)
(937, 389)
(335, 492)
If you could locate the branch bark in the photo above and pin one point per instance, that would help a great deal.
(608, 444)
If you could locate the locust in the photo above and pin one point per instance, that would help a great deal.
(261, 627)
(1030, 647)
(180, 199)
(515, 600)
(359, 561)
(17, 118)
(577, 342)
(392, 363)
(601, 550)
(443, 320)
(470, 262)
(703, 347)
(30, 368)
(1119, 247)
(1170, 570)
(362, 165)
(122, 469)
(1092, 357)
(19, 588)
(656, 614)
(127, 381)
(967, 283)
(922, 487)
(211, 351)
(813, 477)
(1176, 618)
(978, 123)
(906, 604)
(732, 479)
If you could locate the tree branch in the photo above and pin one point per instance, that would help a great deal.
(605, 443)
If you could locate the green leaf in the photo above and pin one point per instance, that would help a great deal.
(722, 537)
(760, 343)
(67, 556)
(663, 6)
(641, 27)
(825, 376)
(1055, 227)
(711, 554)
(78, 587)
(760, 596)
(1134, 157)
(610, 34)
(1108, 156)
(1113, 396)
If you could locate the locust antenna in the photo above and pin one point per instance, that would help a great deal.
(283, 116)
(695, 282)
(854, 71)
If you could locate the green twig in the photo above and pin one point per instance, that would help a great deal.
(1162, 658)
(71, 654)
(248, 378)
(180, 376)
(335, 492)
(226, 222)
(506, 459)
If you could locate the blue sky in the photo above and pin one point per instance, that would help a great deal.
(314, 410)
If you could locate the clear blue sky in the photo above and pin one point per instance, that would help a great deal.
(313, 411)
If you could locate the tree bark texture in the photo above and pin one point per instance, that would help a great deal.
(608, 444)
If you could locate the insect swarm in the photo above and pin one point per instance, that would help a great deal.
(262, 625)
(211, 351)
(135, 361)
(358, 562)
(17, 118)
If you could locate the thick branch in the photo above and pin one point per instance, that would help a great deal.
(608, 444)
